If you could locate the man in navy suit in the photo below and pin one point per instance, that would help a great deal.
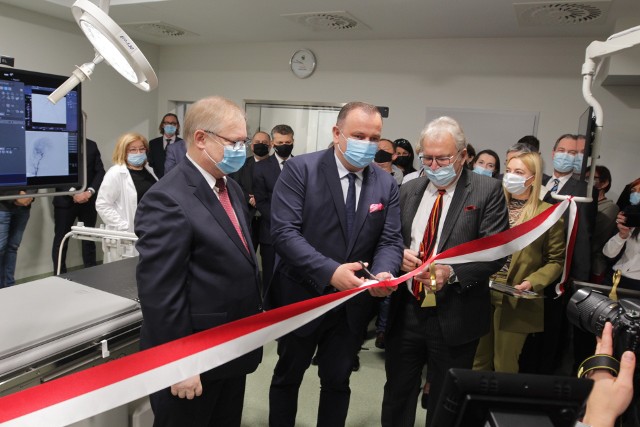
(329, 210)
(265, 175)
(442, 328)
(260, 147)
(158, 147)
(197, 268)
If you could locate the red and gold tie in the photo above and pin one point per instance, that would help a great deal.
(427, 246)
(226, 204)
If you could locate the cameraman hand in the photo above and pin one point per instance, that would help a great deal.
(610, 396)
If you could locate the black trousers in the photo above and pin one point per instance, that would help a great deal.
(268, 256)
(220, 405)
(337, 347)
(64, 218)
(415, 339)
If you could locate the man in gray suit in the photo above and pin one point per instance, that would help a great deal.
(440, 325)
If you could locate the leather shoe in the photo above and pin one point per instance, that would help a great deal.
(380, 340)
(356, 364)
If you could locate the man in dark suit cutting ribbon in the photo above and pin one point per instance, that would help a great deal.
(329, 210)
(439, 324)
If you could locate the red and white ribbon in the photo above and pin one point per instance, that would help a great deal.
(87, 393)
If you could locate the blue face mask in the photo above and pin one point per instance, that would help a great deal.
(232, 160)
(634, 198)
(482, 171)
(170, 129)
(577, 163)
(563, 162)
(137, 159)
(442, 176)
(359, 153)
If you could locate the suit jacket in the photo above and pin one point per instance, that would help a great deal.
(265, 175)
(175, 153)
(244, 177)
(478, 209)
(587, 212)
(95, 174)
(156, 155)
(309, 232)
(194, 272)
(540, 263)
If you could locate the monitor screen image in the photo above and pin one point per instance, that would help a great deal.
(40, 142)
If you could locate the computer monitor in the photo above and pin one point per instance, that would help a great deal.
(40, 142)
(587, 128)
(482, 398)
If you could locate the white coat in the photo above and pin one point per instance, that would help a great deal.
(117, 199)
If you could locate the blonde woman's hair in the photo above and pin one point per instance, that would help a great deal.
(120, 152)
(534, 164)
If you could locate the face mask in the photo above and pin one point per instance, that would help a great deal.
(260, 150)
(634, 198)
(563, 162)
(441, 177)
(577, 163)
(232, 160)
(359, 153)
(403, 161)
(170, 129)
(284, 150)
(514, 184)
(136, 159)
(382, 157)
(482, 171)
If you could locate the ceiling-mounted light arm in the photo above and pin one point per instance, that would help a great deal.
(111, 44)
(595, 53)
(80, 74)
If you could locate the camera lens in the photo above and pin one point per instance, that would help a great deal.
(590, 310)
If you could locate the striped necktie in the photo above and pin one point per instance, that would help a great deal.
(226, 204)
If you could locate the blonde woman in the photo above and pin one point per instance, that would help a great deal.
(531, 269)
(125, 182)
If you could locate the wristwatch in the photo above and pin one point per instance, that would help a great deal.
(452, 276)
(91, 190)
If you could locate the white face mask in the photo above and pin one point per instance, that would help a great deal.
(514, 184)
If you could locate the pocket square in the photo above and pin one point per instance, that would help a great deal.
(376, 207)
(470, 208)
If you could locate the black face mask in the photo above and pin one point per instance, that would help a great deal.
(382, 157)
(284, 150)
(403, 161)
(260, 150)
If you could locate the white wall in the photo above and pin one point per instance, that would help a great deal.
(409, 75)
(112, 104)
(406, 75)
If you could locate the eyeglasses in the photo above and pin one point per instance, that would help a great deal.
(440, 161)
(237, 145)
(169, 123)
(137, 150)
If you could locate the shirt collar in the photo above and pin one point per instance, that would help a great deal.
(342, 171)
(211, 181)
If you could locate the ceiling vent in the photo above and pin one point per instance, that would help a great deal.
(160, 30)
(561, 13)
(327, 21)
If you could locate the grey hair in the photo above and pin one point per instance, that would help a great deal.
(212, 114)
(520, 147)
(444, 125)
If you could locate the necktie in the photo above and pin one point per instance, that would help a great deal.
(554, 189)
(350, 205)
(166, 143)
(427, 246)
(226, 204)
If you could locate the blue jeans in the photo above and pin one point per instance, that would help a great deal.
(12, 225)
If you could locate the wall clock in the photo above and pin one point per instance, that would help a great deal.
(303, 63)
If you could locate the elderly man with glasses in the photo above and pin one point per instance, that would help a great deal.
(197, 268)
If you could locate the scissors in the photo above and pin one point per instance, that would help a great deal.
(364, 268)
